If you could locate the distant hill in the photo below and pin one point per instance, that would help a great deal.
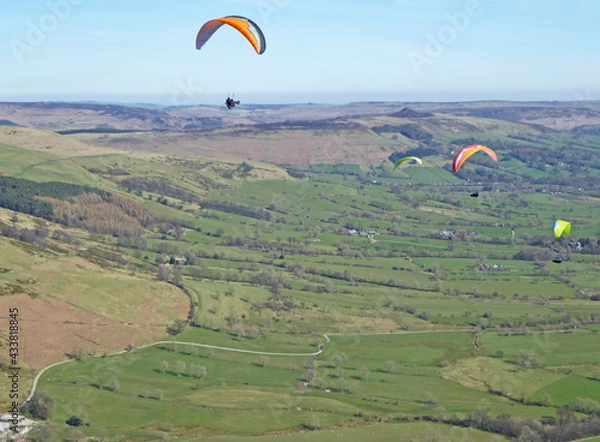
(113, 118)
(47, 141)
(365, 134)
(65, 116)
(409, 113)
(367, 141)
(587, 130)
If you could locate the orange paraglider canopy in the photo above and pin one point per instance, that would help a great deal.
(466, 152)
(245, 26)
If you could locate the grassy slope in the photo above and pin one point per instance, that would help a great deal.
(93, 308)
(42, 166)
(86, 309)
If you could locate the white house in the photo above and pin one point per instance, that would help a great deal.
(23, 424)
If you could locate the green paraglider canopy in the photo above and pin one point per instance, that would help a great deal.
(402, 160)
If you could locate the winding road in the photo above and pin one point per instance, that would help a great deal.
(193, 344)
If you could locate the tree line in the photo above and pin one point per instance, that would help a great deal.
(23, 196)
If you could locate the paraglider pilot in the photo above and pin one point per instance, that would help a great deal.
(230, 103)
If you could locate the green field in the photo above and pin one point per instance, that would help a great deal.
(428, 312)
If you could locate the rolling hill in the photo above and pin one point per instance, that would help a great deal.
(330, 294)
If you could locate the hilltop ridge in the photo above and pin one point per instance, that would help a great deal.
(106, 117)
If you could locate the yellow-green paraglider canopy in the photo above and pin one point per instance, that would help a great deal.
(561, 228)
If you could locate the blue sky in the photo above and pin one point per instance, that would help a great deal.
(324, 51)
